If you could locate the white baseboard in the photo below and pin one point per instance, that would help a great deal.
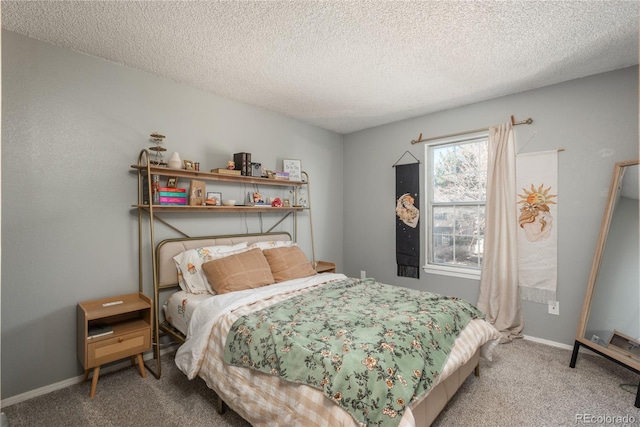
(72, 381)
(548, 342)
(582, 349)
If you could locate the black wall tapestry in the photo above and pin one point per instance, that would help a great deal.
(408, 220)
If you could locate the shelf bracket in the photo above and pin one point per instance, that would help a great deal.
(279, 222)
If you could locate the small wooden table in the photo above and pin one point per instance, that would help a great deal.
(127, 319)
(325, 267)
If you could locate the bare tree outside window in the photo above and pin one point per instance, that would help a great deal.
(456, 199)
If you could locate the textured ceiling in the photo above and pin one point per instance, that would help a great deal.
(340, 65)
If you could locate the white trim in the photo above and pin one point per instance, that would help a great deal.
(582, 349)
(449, 270)
(75, 380)
(548, 342)
(464, 273)
(40, 391)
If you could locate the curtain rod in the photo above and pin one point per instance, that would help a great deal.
(513, 122)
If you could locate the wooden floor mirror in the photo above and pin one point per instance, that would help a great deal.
(610, 319)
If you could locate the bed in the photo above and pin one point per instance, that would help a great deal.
(270, 390)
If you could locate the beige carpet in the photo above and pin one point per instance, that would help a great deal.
(527, 384)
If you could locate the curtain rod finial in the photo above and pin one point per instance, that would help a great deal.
(524, 122)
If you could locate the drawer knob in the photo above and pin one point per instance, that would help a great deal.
(120, 339)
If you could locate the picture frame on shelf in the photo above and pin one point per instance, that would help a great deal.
(301, 198)
(216, 196)
(172, 182)
(286, 203)
(188, 165)
(294, 168)
(197, 193)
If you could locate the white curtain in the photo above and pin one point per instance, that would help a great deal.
(499, 297)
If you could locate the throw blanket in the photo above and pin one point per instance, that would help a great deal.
(370, 347)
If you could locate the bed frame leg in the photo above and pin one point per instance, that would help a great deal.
(476, 370)
(221, 406)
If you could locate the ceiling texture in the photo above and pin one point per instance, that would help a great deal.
(345, 65)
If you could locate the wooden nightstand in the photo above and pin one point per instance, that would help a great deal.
(325, 267)
(129, 317)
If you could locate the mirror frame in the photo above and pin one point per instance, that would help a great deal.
(620, 358)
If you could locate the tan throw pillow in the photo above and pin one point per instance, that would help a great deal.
(288, 263)
(248, 270)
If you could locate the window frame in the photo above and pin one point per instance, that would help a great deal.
(429, 267)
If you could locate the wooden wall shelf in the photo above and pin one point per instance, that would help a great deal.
(218, 209)
(208, 176)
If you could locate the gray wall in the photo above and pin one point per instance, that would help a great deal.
(595, 119)
(71, 127)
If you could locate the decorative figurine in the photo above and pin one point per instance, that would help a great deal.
(157, 139)
(258, 198)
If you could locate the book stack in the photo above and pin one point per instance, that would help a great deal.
(243, 163)
(96, 331)
(145, 189)
(172, 196)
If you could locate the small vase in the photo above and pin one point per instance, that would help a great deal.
(174, 161)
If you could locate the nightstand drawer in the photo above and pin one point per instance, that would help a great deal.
(118, 347)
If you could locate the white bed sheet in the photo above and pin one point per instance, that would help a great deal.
(179, 308)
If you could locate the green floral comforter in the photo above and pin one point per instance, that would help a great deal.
(370, 347)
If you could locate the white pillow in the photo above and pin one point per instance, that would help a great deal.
(272, 244)
(189, 263)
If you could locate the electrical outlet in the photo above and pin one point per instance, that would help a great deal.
(363, 274)
(554, 308)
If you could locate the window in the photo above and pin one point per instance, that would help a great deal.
(455, 201)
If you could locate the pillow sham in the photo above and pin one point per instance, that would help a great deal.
(246, 270)
(191, 278)
(288, 263)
